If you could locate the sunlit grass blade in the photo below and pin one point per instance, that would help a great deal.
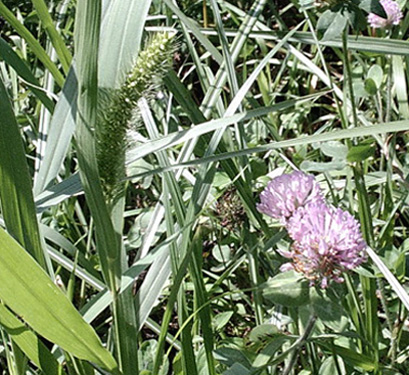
(173, 139)
(190, 25)
(393, 282)
(175, 205)
(359, 43)
(59, 135)
(121, 36)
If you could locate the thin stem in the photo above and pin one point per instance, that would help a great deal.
(299, 343)
(348, 76)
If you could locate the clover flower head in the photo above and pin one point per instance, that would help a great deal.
(327, 242)
(286, 193)
(393, 13)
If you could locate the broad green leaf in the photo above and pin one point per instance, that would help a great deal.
(371, 6)
(230, 356)
(375, 72)
(331, 314)
(315, 166)
(334, 149)
(332, 24)
(269, 353)
(287, 289)
(352, 357)
(370, 86)
(237, 369)
(31, 294)
(263, 332)
(361, 152)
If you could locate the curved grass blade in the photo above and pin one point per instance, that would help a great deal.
(393, 282)
(59, 135)
(381, 46)
(191, 25)
(390, 127)
(209, 126)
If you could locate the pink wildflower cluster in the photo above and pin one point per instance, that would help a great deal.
(393, 14)
(286, 193)
(327, 240)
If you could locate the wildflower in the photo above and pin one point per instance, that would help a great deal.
(286, 193)
(393, 13)
(327, 242)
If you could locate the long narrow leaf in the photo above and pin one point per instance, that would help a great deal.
(16, 195)
(34, 44)
(63, 53)
(121, 35)
(87, 33)
(11, 58)
(30, 293)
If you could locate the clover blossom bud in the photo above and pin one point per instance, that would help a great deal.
(393, 14)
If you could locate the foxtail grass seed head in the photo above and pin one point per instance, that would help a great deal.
(286, 193)
(145, 77)
(393, 14)
(327, 242)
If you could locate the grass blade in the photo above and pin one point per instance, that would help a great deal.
(34, 44)
(63, 53)
(121, 35)
(12, 59)
(30, 293)
(59, 135)
(15, 184)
